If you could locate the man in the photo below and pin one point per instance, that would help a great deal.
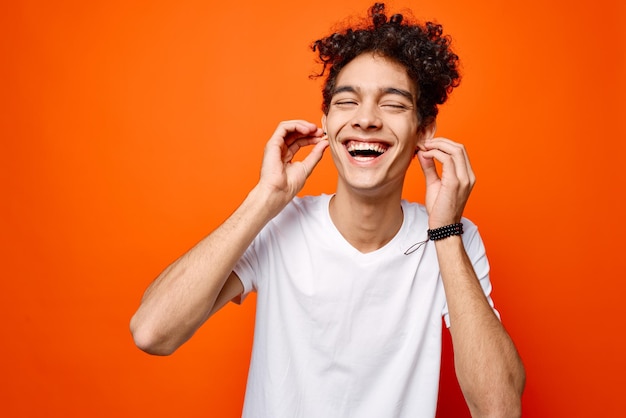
(351, 287)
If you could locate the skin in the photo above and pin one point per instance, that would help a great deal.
(374, 103)
(201, 281)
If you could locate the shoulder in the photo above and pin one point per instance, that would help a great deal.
(302, 210)
(472, 240)
(416, 217)
(306, 205)
(414, 209)
(310, 202)
(469, 226)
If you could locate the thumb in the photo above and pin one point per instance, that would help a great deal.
(314, 157)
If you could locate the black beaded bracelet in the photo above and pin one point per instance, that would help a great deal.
(445, 231)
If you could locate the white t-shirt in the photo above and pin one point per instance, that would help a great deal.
(340, 333)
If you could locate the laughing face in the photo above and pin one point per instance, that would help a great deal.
(372, 125)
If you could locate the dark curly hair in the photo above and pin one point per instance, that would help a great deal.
(421, 48)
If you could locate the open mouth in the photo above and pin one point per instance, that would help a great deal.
(365, 151)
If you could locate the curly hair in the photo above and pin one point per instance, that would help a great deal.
(421, 48)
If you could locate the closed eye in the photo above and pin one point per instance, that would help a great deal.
(345, 103)
(394, 107)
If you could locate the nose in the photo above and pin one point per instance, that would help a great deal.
(367, 117)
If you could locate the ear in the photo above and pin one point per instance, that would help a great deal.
(324, 123)
(425, 132)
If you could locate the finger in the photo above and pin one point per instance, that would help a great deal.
(288, 131)
(429, 169)
(291, 131)
(297, 124)
(295, 141)
(449, 173)
(314, 157)
(290, 136)
(458, 154)
(292, 150)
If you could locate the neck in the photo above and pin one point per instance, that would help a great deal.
(367, 223)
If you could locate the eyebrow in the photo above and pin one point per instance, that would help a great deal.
(387, 90)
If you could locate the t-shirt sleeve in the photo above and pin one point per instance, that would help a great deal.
(254, 266)
(476, 251)
(247, 269)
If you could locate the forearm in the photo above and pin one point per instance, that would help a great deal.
(182, 297)
(185, 294)
(487, 364)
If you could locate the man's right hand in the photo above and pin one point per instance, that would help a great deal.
(201, 281)
(281, 177)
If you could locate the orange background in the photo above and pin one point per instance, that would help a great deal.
(131, 129)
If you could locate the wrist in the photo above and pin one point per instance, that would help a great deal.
(446, 231)
(266, 201)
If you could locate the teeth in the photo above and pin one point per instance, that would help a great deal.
(356, 147)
